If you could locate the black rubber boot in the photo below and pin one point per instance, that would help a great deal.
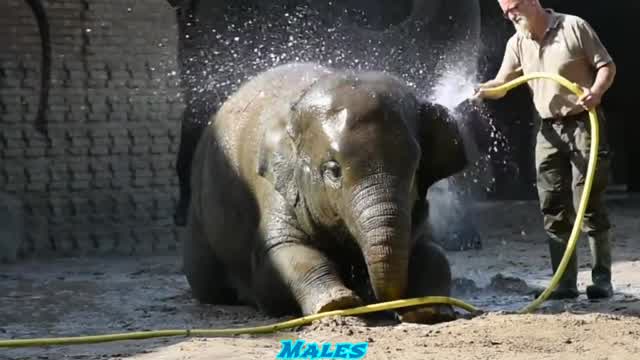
(567, 287)
(601, 268)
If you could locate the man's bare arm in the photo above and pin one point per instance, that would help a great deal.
(592, 96)
(506, 73)
(604, 79)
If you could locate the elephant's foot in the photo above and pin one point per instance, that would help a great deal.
(337, 299)
(429, 275)
(429, 314)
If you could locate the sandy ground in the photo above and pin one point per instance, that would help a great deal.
(67, 297)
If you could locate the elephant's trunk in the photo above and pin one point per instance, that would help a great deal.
(384, 224)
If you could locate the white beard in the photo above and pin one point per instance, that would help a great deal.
(522, 26)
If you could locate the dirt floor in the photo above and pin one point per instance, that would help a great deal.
(67, 297)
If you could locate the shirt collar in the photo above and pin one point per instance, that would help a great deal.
(554, 22)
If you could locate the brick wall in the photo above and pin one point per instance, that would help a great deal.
(103, 181)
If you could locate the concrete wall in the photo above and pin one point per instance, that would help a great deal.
(103, 181)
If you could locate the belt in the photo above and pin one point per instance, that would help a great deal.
(579, 116)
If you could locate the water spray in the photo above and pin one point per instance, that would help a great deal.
(373, 307)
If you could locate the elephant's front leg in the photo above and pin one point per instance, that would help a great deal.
(429, 275)
(289, 274)
(296, 274)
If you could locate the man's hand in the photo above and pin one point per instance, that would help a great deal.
(486, 93)
(592, 96)
(589, 99)
(483, 91)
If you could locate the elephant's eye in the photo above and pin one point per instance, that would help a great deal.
(331, 171)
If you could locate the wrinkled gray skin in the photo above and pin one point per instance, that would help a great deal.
(306, 188)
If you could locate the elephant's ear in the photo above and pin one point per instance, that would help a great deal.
(277, 159)
(443, 152)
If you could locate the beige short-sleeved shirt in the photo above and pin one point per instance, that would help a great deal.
(570, 48)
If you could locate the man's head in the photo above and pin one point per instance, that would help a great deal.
(521, 12)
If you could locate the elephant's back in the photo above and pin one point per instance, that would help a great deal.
(259, 102)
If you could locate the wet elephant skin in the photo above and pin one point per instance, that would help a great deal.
(307, 192)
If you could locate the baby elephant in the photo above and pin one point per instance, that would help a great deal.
(309, 193)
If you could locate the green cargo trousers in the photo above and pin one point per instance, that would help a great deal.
(561, 157)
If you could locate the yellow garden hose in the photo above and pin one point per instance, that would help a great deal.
(373, 307)
(584, 198)
(139, 335)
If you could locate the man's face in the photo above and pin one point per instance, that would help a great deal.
(517, 11)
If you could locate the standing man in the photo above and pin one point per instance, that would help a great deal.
(546, 41)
